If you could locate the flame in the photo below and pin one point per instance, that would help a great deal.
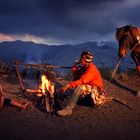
(46, 85)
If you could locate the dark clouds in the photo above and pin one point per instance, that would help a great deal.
(67, 20)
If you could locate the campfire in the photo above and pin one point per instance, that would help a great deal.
(45, 92)
(46, 86)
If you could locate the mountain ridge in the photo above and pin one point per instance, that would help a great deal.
(105, 53)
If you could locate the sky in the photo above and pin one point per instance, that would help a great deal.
(65, 21)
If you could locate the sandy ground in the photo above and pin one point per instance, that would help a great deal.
(112, 121)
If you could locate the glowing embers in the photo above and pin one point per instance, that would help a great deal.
(46, 86)
(45, 92)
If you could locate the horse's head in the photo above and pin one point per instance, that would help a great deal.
(124, 39)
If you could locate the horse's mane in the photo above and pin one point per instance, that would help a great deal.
(134, 31)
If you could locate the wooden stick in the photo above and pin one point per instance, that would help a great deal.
(1, 97)
(42, 65)
(20, 79)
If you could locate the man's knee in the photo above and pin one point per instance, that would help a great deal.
(83, 89)
(80, 89)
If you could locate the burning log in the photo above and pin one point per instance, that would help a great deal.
(45, 92)
(47, 89)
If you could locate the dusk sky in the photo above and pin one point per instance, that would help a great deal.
(65, 21)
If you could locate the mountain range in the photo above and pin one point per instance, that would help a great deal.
(105, 53)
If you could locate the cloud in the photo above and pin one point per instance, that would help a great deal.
(25, 37)
(61, 21)
(4, 37)
(29, 37)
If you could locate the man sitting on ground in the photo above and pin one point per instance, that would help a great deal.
(90, 82)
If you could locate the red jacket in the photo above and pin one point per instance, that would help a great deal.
(91, 77)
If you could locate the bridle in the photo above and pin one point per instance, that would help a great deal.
(127, 36)
(132, 43)
(131, 39)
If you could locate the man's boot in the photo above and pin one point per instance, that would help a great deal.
(71, 103)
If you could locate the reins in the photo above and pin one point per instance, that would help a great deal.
(114, 71)
(117, 65)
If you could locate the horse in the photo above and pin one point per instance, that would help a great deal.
(128, 38)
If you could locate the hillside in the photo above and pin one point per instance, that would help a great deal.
(111, 121)
(105, 53)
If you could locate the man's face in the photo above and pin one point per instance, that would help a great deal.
(83, 62)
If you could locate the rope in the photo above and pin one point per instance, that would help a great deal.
(114, 99)
(112, 76)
